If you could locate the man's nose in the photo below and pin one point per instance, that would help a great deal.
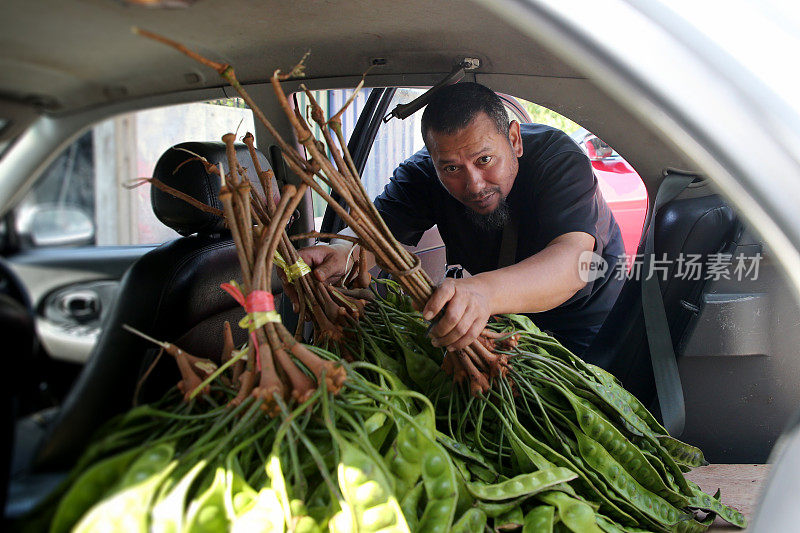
(475, 183)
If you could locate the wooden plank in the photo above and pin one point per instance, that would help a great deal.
(740, 487)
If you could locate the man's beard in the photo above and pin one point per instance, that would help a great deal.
(491, 221)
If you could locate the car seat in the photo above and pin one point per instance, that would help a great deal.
(172, 293)
(694, 223)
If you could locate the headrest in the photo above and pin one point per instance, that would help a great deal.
(181, 170)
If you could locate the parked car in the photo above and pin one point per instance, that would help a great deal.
(671, 89)
(621, 186)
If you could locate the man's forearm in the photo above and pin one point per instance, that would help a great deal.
(540, 282)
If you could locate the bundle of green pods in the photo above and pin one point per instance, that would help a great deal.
(556, 445)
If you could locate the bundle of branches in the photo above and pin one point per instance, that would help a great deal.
(327, 307)
(270, 372)
(479, 362)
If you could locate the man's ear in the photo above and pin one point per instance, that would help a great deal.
(515, 138)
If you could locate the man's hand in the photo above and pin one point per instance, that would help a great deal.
(466, 307)
(327, 262)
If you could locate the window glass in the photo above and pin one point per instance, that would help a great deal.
(620, 184)
(396, 141)
(81, 198)
(331, 101)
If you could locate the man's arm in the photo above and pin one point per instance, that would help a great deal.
(539, 283)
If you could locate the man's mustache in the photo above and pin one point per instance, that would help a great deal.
(483, 194)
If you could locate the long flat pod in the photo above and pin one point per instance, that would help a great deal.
(540, 519)
(649, 503)
(127, 510)
(522, 485)
(578, 516)
(89, 488)
(265, 515)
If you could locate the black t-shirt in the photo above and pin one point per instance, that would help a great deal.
(555, 192)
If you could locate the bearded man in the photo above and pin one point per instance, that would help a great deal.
(518, 206)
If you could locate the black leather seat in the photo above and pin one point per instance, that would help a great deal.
(172, 293)
(699, 226)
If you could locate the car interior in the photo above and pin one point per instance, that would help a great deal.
(72, 65)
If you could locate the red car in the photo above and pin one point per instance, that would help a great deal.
(621, 186)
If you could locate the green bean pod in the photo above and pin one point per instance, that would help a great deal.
(404, 458)
(522, 485)
(264, 515)
(589, 484)
(540, 519)
(513, 519)
(439, 477)
(495, 509)
(207, 513)
(89, 488)
(167, 512)
(596, 426)
(238, 493)
(127, 510)
(409, 504)
(482, 473)
(703, 501)
(611, 383)
(609, 526)
(461, 449)
(151, 461)
(367, 491)
(469, 522)
(278, 484)
(684, 454)
(575, 514)
(647, 502)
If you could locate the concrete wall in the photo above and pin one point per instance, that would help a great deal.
(128, 146)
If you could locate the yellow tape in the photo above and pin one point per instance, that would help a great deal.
(254, 321)
(297, 270)
(278, 260)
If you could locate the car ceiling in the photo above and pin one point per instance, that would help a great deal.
(66, 55)
(63, 57)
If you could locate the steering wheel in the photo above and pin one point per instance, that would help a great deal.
(11, 286)
(18, 333)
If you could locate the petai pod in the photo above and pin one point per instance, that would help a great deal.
(264, 515)
(684, 454)
(94, 484)
(703, 501)
(522, 485)
(127, 510)
(367, 491)
(511, 520)
(472, 520)
(441, 488)
(624, 451)
(653, 506)
(540, 519)
(574, 513)
(207, 513)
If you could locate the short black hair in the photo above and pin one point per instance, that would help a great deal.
(453, 107)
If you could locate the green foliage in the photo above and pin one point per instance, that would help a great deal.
(229, 102)
(542, 115)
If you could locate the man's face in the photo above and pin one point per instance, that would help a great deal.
(478, 164)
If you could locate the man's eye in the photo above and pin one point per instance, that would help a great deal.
(484, 159)
(450, 168)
